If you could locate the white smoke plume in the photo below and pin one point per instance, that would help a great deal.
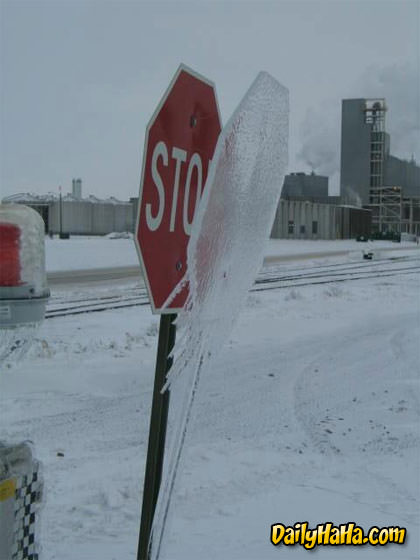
(320, 130)
(320, 134)
(399, 84)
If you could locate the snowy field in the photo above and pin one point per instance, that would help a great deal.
(81, 253)
(311, 414)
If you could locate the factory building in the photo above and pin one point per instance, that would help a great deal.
(297, 219)
(71, 214)
(373, 178)
(305, 211)
(303, 186)
(307, 187)
(378, 192)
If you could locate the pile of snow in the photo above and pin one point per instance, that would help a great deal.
(119, 235)
(409, 237)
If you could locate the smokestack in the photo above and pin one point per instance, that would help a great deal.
(77, 188)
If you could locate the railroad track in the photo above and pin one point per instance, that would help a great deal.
(330, 280)
(271, 278)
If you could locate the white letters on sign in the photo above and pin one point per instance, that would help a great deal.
(194, 162)
(160, 150)
(180, 157)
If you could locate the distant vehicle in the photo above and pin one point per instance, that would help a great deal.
(368, 255)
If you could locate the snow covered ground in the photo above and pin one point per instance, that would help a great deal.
(81, 253)
(311, 414)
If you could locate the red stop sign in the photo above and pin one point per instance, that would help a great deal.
(179, 144)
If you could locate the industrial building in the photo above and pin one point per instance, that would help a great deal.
(378, 192)
(71, 214)
(297, 219)
(373, 178)
(305, 211)
(307, 187)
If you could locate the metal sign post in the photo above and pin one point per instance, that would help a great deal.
(157, 433)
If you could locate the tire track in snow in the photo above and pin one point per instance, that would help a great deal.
(311, 417)
(378, 425)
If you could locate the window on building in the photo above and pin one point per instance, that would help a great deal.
(314, 227)
(291, 226)
(302, 229)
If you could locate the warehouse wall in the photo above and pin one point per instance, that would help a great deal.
(294, 219)
(91, 218)
(306, 220)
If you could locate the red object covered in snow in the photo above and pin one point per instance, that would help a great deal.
(9, 255)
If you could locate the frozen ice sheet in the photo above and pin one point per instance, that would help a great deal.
(225, 252)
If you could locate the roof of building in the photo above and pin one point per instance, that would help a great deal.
(32, 198)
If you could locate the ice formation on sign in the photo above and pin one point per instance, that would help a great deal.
(225, 252)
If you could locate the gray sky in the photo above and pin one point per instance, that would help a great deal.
(80, 79)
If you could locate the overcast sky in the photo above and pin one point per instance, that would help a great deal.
(80, 79)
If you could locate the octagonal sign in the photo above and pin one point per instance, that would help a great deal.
(179, 144)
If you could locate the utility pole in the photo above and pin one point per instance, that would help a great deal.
(61, 213)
